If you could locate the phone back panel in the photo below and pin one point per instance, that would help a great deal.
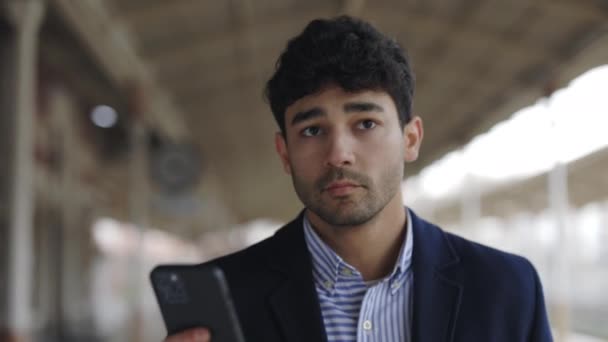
(196, 296)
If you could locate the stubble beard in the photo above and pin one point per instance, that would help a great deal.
(355, 209)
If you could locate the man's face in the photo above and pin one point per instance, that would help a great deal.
(346, 152)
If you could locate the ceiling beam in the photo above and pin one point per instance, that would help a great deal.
(213, 48)
(213, 52)
(205, 47)
(577, 10)
(352, 7)
(491, 109)
(210, 78)
(249, 60)
(159, 12)
(112, 47)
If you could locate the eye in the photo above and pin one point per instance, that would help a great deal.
(311, 131)
(366, 124)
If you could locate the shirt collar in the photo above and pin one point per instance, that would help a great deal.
(328, 267)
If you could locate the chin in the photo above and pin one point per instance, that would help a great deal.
(342, 216)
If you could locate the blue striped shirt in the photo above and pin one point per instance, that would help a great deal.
(356, 310)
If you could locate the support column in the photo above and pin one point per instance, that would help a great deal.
(26, 17)
(560, 208)
(470, 204)
(7, 62)
(559, 205)
(139, 202)
(75, 233)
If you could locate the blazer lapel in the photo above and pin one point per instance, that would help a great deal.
(295, 302)
(437, 284)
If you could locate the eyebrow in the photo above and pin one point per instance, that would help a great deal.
(362, 107)
(307, 115)
(351, 107)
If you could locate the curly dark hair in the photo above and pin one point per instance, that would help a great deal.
(345, 51)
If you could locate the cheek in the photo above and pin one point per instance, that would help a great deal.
(385, 147)
(303, 163)
(304, 153)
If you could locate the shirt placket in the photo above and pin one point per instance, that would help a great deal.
(367, 322)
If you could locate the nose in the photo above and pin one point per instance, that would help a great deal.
(340, 150)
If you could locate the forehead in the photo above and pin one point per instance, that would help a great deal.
(333, 98)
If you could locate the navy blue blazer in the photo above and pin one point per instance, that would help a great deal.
(463, 291)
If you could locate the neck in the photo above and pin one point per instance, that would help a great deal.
(373, 247)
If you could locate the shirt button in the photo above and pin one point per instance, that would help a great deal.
(396, 285)
(346, 271)
(328, 284)
(367, 325)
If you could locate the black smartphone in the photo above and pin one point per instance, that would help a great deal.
(196, 296)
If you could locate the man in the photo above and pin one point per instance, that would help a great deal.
(356, 265)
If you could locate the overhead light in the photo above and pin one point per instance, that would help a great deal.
(104, 116)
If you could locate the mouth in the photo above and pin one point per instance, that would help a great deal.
(341, 188)
(340, 184)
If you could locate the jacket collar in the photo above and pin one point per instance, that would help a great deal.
(438, 283)
(437, 286)
(295, 302)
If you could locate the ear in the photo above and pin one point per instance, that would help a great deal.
(413, 133)
(281, 147)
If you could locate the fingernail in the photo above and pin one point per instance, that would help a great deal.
(202, 335)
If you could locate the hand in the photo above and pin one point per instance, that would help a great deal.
(191, 335)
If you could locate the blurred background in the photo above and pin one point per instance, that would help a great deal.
(133, 132)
